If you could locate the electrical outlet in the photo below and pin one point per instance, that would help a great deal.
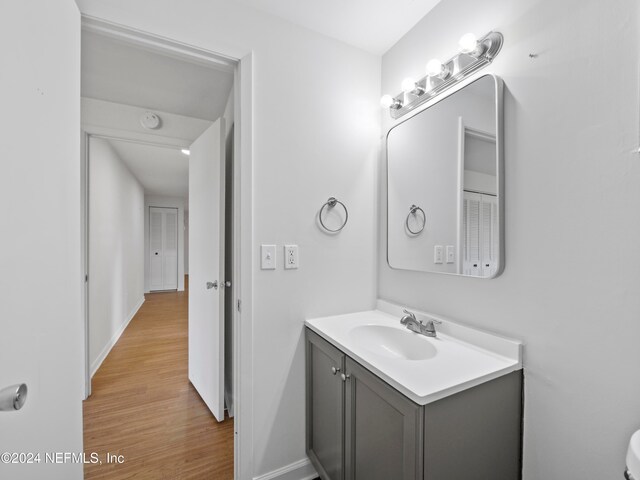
(290, 257)
(268, 257)
(451, 254)
(438, 254)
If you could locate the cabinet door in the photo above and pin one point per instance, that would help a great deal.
(325, 407)
(476, 434)
(384, 429)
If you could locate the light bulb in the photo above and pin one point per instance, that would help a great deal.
(408, 84)
(435, 68)
(386, 101)
(185, 151)
(468, 43)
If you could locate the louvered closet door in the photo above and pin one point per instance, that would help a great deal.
(163, 248)
(471, 218)
(480, 217)
(489, 232)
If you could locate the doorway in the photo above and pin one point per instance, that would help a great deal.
(163, 268)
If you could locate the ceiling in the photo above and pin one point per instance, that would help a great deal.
(122, 73)
(126, 74)
(160, 170)
(373, 25)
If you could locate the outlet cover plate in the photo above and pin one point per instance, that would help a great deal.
(291, 259)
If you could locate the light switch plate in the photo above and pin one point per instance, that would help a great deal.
(438, 254)
(268, 257)
(451, 254)
(290, 257)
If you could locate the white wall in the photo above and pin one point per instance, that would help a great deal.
(168, 202)
(315, 118)
(571, 287)
(116, 265)
(41, 343)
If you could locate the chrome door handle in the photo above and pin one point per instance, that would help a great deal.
(213, 285)
(13, 398)
(227, 283)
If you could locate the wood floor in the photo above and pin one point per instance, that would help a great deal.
(144, 408)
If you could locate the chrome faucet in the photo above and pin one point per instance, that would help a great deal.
(415, 325)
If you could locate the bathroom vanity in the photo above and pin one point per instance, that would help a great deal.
(390, 404)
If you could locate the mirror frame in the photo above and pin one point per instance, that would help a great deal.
(498, 86)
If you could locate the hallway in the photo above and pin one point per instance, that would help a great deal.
(144, 408)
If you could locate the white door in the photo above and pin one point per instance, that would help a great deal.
(163, 248)
(41, 323)
(206, 267)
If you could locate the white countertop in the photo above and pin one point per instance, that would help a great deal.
(459, 358)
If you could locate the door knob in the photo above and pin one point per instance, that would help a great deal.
(226, 284)
(13, 397)
(335, 370)
(213, 285)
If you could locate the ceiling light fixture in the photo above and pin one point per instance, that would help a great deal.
(186, 151)
(474, 54)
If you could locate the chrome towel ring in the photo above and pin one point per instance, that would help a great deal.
(413, 209)
(330, 203)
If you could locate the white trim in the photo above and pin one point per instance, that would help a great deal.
(84, 220)
(158, 44)
(108, 133)
(300, 470)
(116, 336)
(243, 269)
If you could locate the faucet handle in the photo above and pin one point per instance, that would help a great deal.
(407, 312)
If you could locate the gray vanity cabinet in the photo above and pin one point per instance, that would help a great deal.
(383, 429)
(325, 407)
(358, 427)
(361, 428)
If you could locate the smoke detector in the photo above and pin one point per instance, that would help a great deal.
(150, 121)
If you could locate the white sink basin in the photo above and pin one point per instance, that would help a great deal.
(391, 342)
(424, 369)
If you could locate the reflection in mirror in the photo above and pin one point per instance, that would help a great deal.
(444, 189)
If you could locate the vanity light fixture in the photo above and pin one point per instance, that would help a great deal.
(387, 101)
(469, 44)
(437, 69)
(410, 86)
(474, 54)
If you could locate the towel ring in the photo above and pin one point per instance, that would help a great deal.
(412, 211)
(332, 202)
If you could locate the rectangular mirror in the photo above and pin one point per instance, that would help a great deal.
(445, 185)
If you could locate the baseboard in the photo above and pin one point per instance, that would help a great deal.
(300, 470)
(116, 336)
